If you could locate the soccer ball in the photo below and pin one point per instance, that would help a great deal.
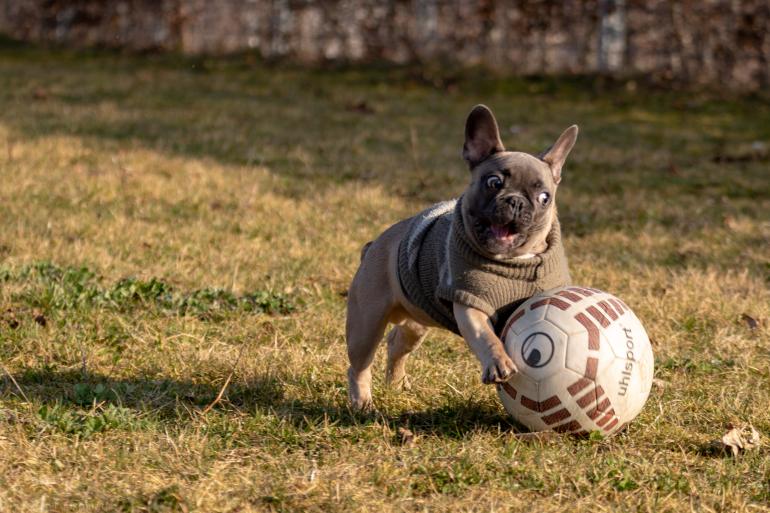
(585, 362)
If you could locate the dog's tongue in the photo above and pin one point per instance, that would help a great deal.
(500, 231)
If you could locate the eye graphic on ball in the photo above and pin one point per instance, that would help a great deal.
(537, 349)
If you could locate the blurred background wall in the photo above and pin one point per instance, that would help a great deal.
(720, 42)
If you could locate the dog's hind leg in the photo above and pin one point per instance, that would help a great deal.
(369, 308)
(404, 338)
(373, 301)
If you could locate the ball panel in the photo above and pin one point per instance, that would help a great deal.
(512, 320)
(557, 405)
(524, 315)
(579, 358)
(524, 387)
(508, 395)
(626, 335)
(576, 352)
(630, 383)
(590, 403)
(530, 317)
(565, 319)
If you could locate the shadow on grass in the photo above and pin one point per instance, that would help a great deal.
(174, 401)
(713, 449)
(454, 419)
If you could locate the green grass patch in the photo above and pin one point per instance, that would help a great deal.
(84, 424)
(53, 288)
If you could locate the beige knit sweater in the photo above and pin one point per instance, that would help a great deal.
(438, 265)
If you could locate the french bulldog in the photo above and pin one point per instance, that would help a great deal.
(463, 265)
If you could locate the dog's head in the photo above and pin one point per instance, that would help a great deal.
(509, 206)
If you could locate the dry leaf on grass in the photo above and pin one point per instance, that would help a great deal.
(740, 438)
(750, 321)
(406, 436)
(40, 318)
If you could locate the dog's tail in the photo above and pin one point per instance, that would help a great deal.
(365, 249)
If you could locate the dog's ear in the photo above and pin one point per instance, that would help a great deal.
(557, 154)
(482, 137)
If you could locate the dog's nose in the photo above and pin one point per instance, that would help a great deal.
(516, 202)
(519, 208)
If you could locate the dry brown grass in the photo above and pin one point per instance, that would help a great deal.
(257, 180)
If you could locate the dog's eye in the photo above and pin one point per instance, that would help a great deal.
(544, 198)
(494, 182)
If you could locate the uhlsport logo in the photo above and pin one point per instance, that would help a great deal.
(629, 367)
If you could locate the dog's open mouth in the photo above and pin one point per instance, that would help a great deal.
(505, 235)
(498, 238)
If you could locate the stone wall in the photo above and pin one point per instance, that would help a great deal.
(722, 42)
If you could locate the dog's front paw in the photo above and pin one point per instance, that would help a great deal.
(498, 370)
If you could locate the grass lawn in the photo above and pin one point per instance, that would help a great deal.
(172, 228)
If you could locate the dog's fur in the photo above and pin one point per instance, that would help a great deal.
(508, 210)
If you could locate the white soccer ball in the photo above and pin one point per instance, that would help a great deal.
(585, 362)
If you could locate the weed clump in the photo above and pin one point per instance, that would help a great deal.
(50, 287)
(85, 424)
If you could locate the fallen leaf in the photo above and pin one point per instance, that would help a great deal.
(659, 383)
(40, 318)
(740, 438)
(362, 107)
(750, 321)
(673, 169)
(406, 436)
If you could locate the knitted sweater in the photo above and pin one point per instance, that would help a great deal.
(438, 266)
